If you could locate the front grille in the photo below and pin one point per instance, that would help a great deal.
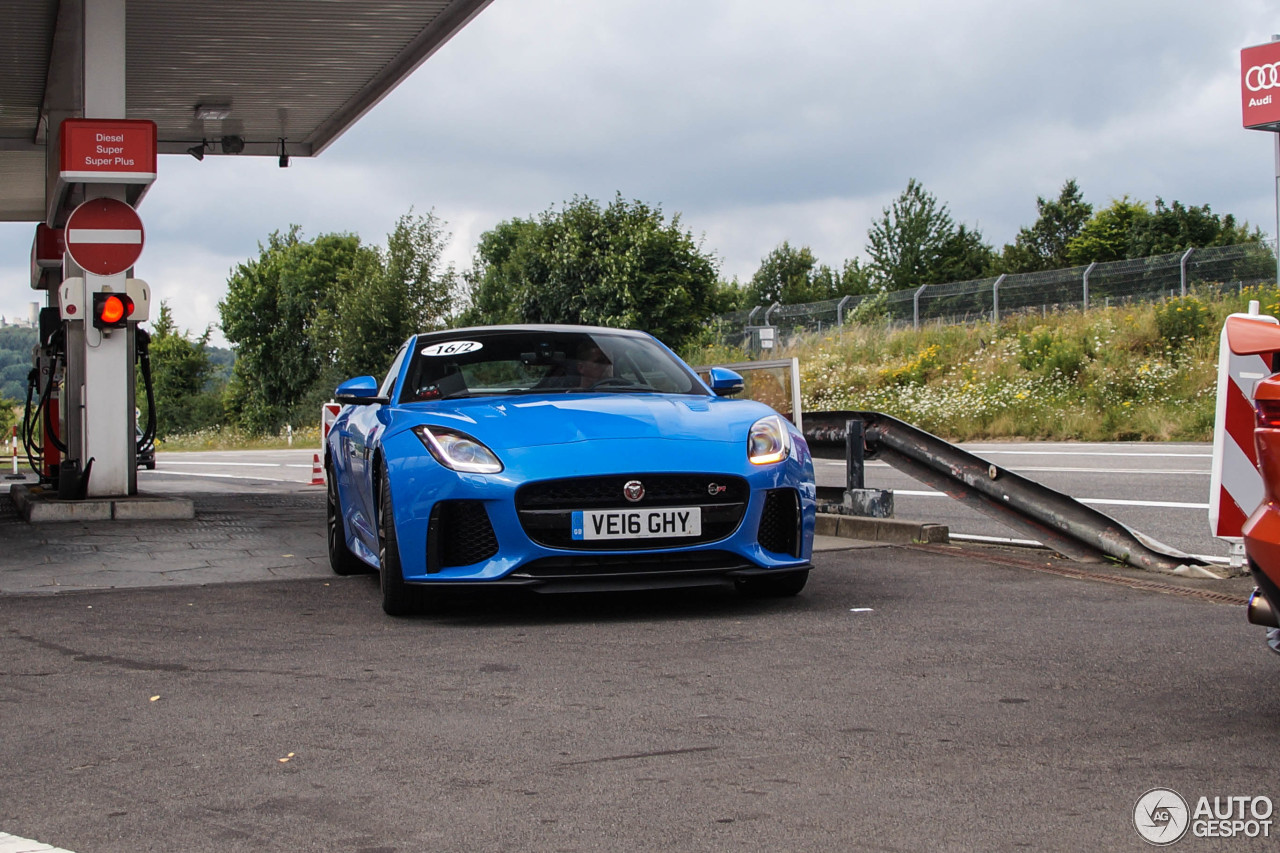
(614, 565)
(546, 508)
(780, 522)
(459, 534)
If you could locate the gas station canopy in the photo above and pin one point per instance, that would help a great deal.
(236, 77)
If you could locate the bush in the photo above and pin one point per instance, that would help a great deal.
(1184, 319)
(1048, 353)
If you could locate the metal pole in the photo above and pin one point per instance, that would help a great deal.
(772, 308)
(752, 315)
(1086, 284)
(1276, 137)
(915, 308)
(840, 311)
(855, 467)
(995, 298)
(1182, 266)
(796, 416)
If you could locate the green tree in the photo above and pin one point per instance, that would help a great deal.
(727, 297)
(1043, 246)
(856, 279)
(916, 242)
(180, 373)
(280, 312)
(1108, 233)
(790, 276)
(16, 343)
(10, 414)
(793, 276)
(963, 256)
(622, 265)
(395, 293)
(1174, 228)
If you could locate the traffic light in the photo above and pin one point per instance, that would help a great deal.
(111, 310)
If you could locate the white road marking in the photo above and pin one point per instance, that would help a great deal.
(229, 464)
(1153, 454)
(1205, 472)
(1099, 501)
(218, 476)
(1064, 470)
(14, 844)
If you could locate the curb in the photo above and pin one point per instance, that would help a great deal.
(36, 505)
(892, 530)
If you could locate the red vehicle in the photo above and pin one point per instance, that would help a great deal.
(1262, 530)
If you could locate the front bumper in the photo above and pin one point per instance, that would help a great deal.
(427, 498)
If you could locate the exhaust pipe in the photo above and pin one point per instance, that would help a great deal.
(1260, 611)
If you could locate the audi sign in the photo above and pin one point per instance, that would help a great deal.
(1260, 86)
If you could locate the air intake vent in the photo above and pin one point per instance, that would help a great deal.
(459, 534)
(780, 522)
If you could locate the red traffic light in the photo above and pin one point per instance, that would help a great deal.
(111, 310)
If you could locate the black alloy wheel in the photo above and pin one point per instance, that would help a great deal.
(398, 598)
(341, 559)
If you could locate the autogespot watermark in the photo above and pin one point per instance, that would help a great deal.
(1163, 817)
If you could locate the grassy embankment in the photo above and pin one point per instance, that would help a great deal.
(1136, 372)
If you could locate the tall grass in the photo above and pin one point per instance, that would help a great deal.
(230, 438)
(1136, 372)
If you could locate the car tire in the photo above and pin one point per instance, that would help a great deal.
(782, 586)
(341, 560)
(398, 598)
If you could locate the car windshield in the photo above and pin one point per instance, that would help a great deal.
(480, 363)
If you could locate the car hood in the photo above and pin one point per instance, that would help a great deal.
(530, 421)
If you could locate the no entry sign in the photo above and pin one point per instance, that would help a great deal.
(104, 236)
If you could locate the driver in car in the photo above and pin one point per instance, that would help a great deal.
(593, 365)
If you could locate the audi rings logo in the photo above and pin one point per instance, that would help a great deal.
(1262, 77)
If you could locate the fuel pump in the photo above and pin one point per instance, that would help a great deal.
(142, 346)
(42, 432)
(41, 427)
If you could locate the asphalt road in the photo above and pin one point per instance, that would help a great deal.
(907, 700)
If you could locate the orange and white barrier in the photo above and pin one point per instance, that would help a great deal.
(1235, 486)
(328, 414)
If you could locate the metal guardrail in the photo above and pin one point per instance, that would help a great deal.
(1059, 521)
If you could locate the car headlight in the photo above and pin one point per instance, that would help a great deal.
(769, 441)
(457, 450)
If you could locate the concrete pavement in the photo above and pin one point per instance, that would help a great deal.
(246, 536)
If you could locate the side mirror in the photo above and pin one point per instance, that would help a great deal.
(361, 391)
(724, 382)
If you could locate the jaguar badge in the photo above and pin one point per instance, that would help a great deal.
(633, 490)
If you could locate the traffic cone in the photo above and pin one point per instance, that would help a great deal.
(317, 473)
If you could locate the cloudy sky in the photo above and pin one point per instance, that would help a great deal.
(756, 121)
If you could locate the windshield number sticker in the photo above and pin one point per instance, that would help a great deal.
(452, 348)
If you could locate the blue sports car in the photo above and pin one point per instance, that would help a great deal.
(562, 458)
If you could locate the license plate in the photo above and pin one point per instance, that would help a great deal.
(659, 523)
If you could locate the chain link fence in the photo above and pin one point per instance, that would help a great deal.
(1223, 268)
